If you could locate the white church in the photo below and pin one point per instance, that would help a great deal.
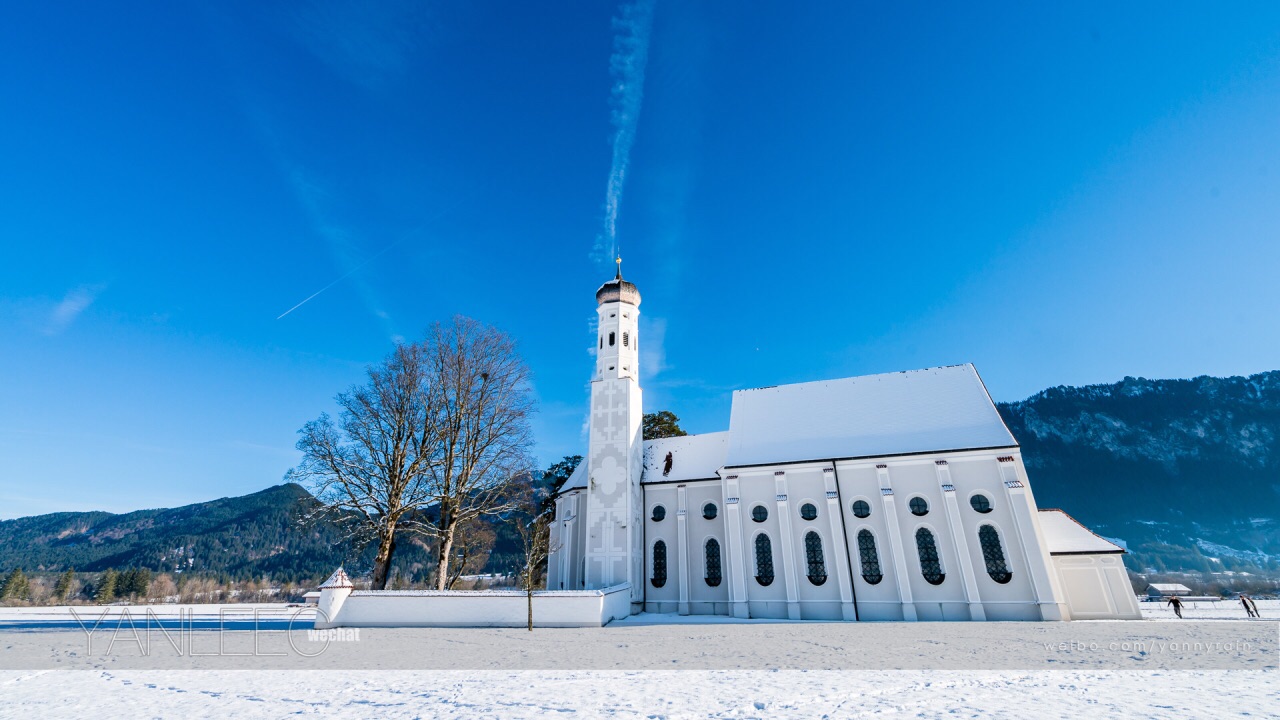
(900, 496)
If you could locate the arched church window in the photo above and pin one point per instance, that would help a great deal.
(610, 339)
(918, 506)
(930, 564)
(993, 554)
(659, 564)
(861, 509)
(809, 511)
(626, 339)
(980, 503)
(714, 572)
(759, 513)
(813, 558)
(659, 513)
(869, 557)
(764, 560)
(709, 511)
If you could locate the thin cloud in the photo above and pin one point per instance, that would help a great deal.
(633, 25)
(71, 307)
(370, 44)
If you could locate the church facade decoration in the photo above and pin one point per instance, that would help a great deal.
(900, 496)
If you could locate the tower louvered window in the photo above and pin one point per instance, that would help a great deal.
(993, 554)
(930, 564)
(714, 572)
(659, 564)
(813, 558)
(869, 557)
(626, 339)
(764, 560)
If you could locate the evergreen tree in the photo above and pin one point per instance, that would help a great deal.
(63, 588)
(107, 582)
(141, 582)
(555, 476)
(662, 424)
(16, 586)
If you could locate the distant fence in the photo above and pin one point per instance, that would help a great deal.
(481, 608)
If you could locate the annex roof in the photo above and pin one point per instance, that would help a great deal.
(693, 457)
(1066, 536)
(577, 479)
(916, 411)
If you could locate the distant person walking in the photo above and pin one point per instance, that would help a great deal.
(1254, 605)
(1244, 600)
(1176, 602)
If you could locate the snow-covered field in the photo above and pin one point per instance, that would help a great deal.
(648, 666)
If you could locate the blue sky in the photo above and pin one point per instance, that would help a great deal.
(1060, 195)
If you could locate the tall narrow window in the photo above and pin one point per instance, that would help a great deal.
(993, 554)
(869, 557)
(930, 565)
(813, 558)
(714, 572)
(764, 560)
(659, 564)
(626, 339)
(610, 339)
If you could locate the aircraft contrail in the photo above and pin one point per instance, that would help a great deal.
(634, 24)
(376, 255)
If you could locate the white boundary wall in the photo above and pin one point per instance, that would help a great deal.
(341, 607)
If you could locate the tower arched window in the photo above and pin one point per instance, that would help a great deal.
(714, 571)
(626, 339)
(659, 564)
(817, 565)
(764, 560)
(993, 554)
(610, 339)
(930, 564)
(869, 557)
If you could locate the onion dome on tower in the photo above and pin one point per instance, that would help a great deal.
(618, 290)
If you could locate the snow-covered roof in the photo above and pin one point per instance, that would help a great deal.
(338, 579)
(577, 479)
(915, 411)
(1066, 536)
(693, 457)
(1169, 587)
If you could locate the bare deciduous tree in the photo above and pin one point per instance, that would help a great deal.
(370, 471)
(534, 528)
(472, 545)
(430, 443)
(483, 407)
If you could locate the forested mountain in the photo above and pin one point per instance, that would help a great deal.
(1186, 472)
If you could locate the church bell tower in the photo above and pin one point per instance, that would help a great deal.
(614, 531)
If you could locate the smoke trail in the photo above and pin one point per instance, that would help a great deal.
(633, 25)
